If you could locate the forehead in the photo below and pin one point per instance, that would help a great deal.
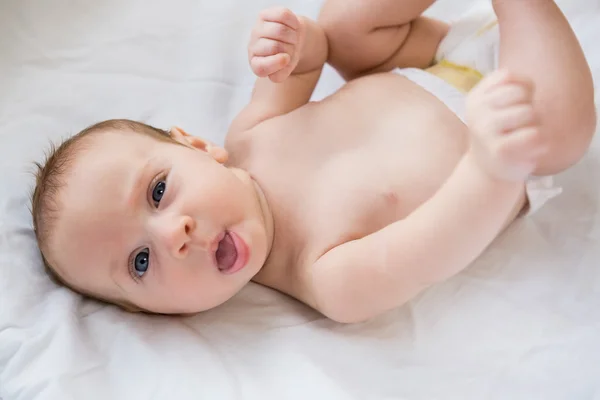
(101, 167)
(93, 217)
(97, 146)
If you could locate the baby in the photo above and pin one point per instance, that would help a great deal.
(352, 205)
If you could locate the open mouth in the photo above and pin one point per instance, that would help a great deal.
(226, 254)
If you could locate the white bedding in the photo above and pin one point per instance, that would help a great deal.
(522, 323)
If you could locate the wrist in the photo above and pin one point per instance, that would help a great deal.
(314, 47)
(497, 170)
(484, 175)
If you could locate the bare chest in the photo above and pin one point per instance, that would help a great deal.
(344, 168)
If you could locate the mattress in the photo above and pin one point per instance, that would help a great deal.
(523, 322)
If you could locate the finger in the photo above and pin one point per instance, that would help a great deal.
(282, 75)
(268, 47)
(516, 117)
(265, 66)
(510, 94)
(492, 80)
(281, 15)
(279, 76)
(525, 144)
(516, 78)
(280, 32)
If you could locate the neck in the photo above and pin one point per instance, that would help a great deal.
(266, 214)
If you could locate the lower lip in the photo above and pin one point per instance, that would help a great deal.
(243, 254)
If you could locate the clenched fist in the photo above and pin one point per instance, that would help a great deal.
(506, 139)
(275, 44)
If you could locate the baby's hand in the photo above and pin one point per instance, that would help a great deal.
(275, 42)
(505, 134)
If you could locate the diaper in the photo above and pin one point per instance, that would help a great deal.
(473, 42)
(465, 56)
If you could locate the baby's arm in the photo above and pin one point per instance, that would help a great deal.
(365, 277)
(287, 53)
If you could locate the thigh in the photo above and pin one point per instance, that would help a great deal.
(368, 36)
(367, 15)
(537, 42)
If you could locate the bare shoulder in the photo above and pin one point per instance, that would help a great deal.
(306, 286)
(278, 132)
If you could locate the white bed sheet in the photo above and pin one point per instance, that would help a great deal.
(522, 323)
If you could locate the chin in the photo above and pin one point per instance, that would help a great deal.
(216, 300)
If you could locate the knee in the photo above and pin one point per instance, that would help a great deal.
(571, 140)
(582, 132)
(337, 29)
(340, 17)
(337, 19)
(345, 29)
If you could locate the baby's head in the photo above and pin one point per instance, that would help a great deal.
(148, 219)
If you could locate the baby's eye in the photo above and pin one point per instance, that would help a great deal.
(141, 262)
(158, 191)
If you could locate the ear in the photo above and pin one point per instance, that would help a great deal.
(218, 153)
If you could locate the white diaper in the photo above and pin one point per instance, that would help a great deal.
(473, 42)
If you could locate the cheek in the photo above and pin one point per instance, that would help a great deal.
(184, 276)
(217, 191)
(196, 289)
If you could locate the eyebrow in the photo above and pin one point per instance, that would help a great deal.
(137, 186)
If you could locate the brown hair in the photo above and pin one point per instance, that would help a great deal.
(49, 179)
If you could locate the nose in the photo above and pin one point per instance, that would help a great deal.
(174, 232)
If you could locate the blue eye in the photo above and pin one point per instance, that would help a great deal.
(141, 262)
(158, 192)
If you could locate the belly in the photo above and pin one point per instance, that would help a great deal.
(384, 160)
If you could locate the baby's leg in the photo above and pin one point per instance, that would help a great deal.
(537, 42)
(367, 36)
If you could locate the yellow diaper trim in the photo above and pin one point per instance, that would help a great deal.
(487, 27)
(461, 77)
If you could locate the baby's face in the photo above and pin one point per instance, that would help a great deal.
(162, 226)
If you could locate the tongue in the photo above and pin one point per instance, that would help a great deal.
(226, 253)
